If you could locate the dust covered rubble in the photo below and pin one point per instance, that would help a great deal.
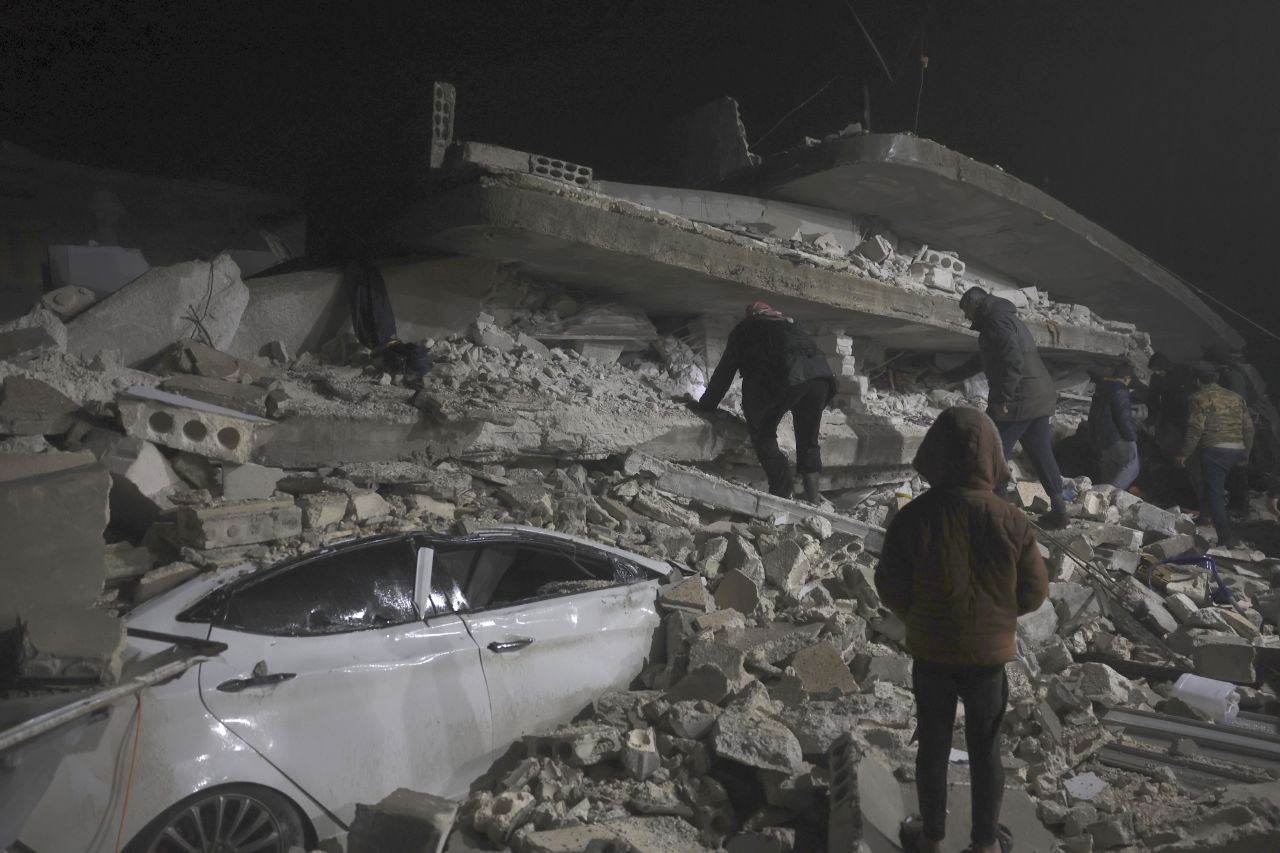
(775, 647)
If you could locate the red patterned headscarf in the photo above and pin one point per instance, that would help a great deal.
(762, 309)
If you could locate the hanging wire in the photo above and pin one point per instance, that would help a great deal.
(924, 63)
(794, 110)
(870, 40)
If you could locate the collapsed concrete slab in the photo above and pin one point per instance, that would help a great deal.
(695, 485)
(942, 198)
(587, 240)
(199, 299)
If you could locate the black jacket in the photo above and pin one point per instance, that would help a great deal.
(772, 354)
(1017, 377)
(1111, 413)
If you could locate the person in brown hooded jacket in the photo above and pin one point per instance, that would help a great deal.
(959, 566)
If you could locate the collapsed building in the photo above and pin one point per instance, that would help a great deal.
(197, 417)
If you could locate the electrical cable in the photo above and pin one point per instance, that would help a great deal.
(870, 40)
(794, 110)
(133, 765)
(924, 64)
(1233, 311)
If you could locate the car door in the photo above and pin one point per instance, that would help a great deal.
(333, 676)
(557, 625)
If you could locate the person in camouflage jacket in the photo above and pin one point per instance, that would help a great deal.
(1219, 438)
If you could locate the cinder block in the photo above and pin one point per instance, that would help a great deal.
(942, 260)
(186, 424)
(243, 523)
(844, 821)
(444, 100)
(404, 822)
(580, 746)
(561, 170)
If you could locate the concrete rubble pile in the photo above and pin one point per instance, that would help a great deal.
(777, 715)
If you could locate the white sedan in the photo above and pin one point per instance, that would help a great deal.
(411, 660)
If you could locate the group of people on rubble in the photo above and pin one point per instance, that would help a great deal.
(960, 563)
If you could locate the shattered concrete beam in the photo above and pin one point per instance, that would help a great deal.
(695, 485)
(668, 263)
(937, 196)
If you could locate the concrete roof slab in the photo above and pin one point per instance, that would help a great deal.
(933, 195)
(664, 263)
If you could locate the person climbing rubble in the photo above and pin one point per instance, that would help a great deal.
(1218, 438)
(959, 566)
(1022, 397)
(782, 371)
(1112, 429)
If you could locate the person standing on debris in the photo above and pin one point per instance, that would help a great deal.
(1112, 429)
(1171, 386)
(1022, 398)
(782, 371)
(1231, 375)
(1219, 438)
(959, 565)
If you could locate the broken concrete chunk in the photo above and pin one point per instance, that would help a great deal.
(236, 396)
(205, 361)
(1102, 684)
(32, 334)
(741, 556)
(68, 301)
(1039, 626)
(187, 424)
(661, 509)
(1150, 518)
(738, 592)
(1032, 496)
(60, 642)
(249, 481)
(32, 407)
(1225, 657)
(143, 483)
(52, 515)
(822, 671)
(689, 594)
(640, 754)
(241, 523)
(720, 619)
(787, 567)
(844, 818)
(1171, 546)
(161, 580)
(403, 822)
(369, 505)
(1180, 606)
(164, 305)
(757, 741)
(502, 815)
(580, 745)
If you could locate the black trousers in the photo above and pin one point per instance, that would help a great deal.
(806, 403)
(1036, 437)
(985, 692)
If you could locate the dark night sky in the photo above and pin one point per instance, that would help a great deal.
(1155, 118)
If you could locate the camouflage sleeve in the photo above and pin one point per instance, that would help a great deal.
(1195, 425)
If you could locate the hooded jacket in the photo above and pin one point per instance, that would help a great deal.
(1017, 376)
(960, 564)
(772, 353)
(1111, 413)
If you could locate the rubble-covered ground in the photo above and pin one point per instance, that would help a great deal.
(775, 644)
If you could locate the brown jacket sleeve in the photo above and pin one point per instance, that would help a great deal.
(894, 574)
(1033, 577)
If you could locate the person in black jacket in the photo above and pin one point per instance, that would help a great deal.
(1111, 426)
(1022, 398)
(782, 371)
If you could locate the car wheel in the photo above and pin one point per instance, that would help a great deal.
(232, 819)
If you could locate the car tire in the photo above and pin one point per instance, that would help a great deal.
(226, 819)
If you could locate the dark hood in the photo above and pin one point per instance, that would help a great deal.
(962, 448)
(989, 307)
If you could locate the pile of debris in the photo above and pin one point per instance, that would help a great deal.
(783, 687)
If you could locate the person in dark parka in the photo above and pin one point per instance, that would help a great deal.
(782, 371)
(1112, 429)
(959, 565)
(1022, 398)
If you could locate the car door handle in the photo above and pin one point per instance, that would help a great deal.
(235, 685)
(510, 645)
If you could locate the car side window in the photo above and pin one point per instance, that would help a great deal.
(497, 575)
(354, 589)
